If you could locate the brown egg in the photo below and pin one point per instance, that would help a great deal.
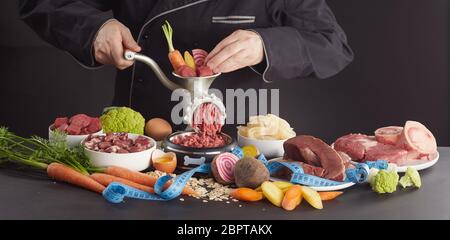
(157, 128)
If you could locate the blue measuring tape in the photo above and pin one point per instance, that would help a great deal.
(117, 192)
(358, 174)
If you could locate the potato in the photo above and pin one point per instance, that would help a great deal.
(250, 172)
(283, 185)
(312, 197)
(272, 193)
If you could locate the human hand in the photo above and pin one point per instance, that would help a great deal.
(241, 49)
(111, 41)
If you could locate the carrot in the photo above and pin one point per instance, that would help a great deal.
(141, 178)
(246, 194)
(292, 198)
(66, 174)
(175, 57)
(325, 196)
(106, 179)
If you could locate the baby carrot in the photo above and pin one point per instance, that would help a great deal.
(66, 174)
(325, 196)
(141, 178)
(175, 57)
(246, 194)
(106, 179)
(292, 198)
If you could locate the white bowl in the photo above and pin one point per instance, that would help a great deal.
(137, 161)
(270, 148)
(72, 140)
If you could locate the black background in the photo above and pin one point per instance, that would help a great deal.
(400, 72)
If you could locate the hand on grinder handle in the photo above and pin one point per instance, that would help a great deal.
(111, 41)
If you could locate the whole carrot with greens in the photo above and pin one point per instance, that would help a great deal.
(63, 173)
(62, 163)
(175, 57)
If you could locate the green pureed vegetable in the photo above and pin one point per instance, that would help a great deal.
(122, 119)
(39, 153)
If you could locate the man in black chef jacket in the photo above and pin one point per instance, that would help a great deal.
(254, 41)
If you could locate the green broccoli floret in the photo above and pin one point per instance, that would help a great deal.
(123, 119)
(411, 178)
(385, 182)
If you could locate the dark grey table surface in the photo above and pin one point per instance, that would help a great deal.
(31, 195)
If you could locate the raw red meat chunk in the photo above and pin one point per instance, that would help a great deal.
(117, 143)
(80, 124)
(360, 147)
(315, 156)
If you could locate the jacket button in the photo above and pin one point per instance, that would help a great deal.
(146, 36)
(140, 80)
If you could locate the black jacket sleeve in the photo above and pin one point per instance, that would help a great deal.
(305, 40)
(69, 25)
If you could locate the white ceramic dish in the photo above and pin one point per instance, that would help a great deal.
(270, 148)
(419, 164)
(137, 161)
(72, 140)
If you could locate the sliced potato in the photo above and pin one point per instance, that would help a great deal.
(282, 185)
(272, 193)
(312, 197)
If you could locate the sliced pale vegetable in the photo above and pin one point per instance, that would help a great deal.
(246, 194)
(250, 151)
(189, 60)
(312, 197)
(272, 193)
(292, 198)
(282, 185)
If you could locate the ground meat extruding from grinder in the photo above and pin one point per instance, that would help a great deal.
(206, 121)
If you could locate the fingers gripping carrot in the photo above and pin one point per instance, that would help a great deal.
(66, 174)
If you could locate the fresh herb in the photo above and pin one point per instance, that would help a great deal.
(39, 153)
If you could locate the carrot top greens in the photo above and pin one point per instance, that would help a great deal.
(168, 32)
(39, 153)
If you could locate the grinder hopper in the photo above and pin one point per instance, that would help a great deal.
(197, 86)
